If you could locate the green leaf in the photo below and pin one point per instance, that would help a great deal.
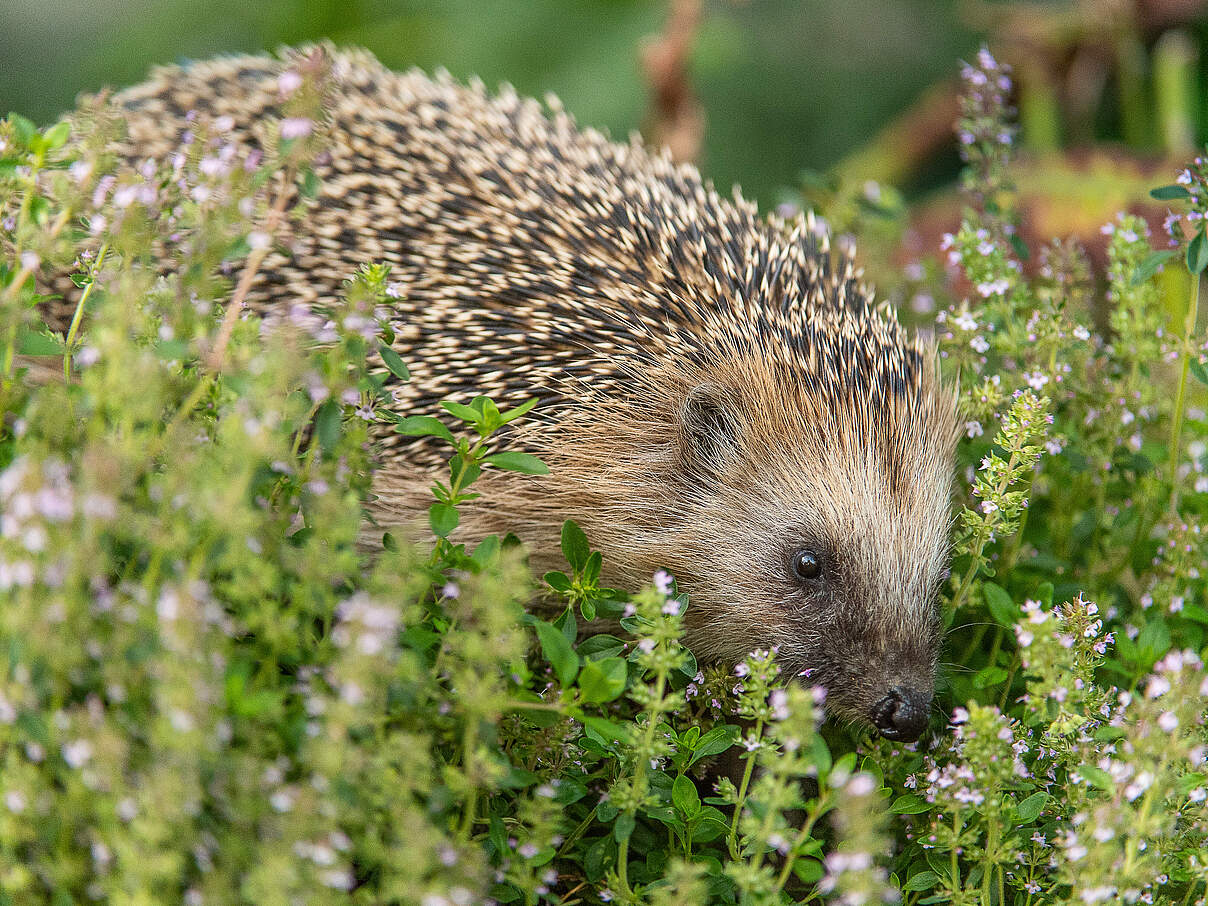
(558, 652)
(685, 798)
(1021, 247)
(32, 343)
(1000, 605)
(989, 676)
(514, 461)
(423, 426)
(490, 414)
(716, 741)
(327, 425)
(574, 545)
(1154, 639)
(239, 248)
(603, 680)
(1096, 777)
(1044, 594)
(171, 350)
(566, 622)
(443, 518)
(558, 581)
(509, 415)
(56, 136)
(910, 804)
(1150, 266)
(600, 646)
(591, 569)
(623, 829)
(1029, 810)
(809, 871)
(463, 470)
(924, 880)
(23, 128)
(309, 185)
(1198, 371)
(1194, 613)
(1197, 253)
(465, 413)
(709, 829)
(487, 551)
(394, 362)
(606, 729)
(1169, 193)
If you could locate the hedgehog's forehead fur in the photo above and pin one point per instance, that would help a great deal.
(857, 470)
(715, 388)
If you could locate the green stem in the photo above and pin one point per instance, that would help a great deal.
(975, 643)
(1006, 689)
(181, 414)
(78, 315)
(639, 777)
(473, 457)
(1176, 428)
(995, 646)
(577, 832)
(802, 836)
(1016, 544)
(988, 862)
(1130, 848)
(982, 539)
(732, 839)
(956, 867)
(1175, 60)
(469, 740)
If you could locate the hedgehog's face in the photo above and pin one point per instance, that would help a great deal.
(828, 547)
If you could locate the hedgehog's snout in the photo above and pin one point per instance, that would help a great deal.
(902, 714)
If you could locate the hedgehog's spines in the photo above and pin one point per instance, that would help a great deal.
(526, 244)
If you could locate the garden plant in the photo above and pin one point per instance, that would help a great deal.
(219, 684)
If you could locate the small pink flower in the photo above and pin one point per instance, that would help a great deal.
(296, 127)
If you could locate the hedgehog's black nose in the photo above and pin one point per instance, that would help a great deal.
(902, 714)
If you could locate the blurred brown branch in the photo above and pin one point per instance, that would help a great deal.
(676, 119)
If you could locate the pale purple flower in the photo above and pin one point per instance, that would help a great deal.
(293, 127)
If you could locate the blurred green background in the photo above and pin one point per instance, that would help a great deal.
(786, 84)
(804, 100)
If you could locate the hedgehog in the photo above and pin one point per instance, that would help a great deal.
(719, 394)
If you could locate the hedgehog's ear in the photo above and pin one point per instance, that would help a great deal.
(711, 431)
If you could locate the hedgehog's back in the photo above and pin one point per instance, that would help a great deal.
(531, 255)
(519, 240)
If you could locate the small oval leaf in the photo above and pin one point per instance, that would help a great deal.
(1029, 810)
(423, 426)
(394, 362)
(1197, 253)
(685, 798)
(574, 545)
(443, 518)
(558, 652)
(515, 461)
(1169, 193)
(909, 804)
(603, 680)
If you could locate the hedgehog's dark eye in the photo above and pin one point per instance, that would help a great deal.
(806, 565)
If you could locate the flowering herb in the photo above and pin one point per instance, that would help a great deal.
(211, 693)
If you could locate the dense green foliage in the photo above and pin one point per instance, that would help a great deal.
(210, 692)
